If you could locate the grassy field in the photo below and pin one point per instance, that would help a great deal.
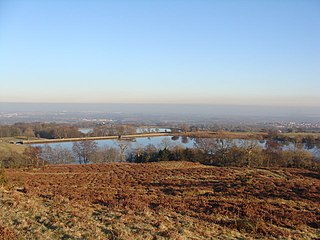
(299, 134)
(168, 200)
(7, 147)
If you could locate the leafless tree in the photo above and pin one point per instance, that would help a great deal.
(250, 147)
(207, 145)
(123, 147)
(184, 127)
(166, 143)
(125, 129)
(84, 150)
(105, 154)
(28, 132)
(210, 146)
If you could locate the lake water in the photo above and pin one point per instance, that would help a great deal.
(167, 141)
(137, 142)
(85, 130)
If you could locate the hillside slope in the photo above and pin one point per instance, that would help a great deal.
(168, 200)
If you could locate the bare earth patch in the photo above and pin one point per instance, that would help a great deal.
(168, 200)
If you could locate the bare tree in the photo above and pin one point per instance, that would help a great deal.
(28, 132)
(56, 155)
(206, 145)
(166, 143)
(184, 127)
(47, 153)
(125, 129)
(210, 146)
(250, 147)
(105, 154)
(84, 150)
(123, 147)
(62, 155)
(150, 149)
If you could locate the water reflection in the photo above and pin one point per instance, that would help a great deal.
(187, 142)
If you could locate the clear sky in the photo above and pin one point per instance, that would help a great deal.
(166, 51)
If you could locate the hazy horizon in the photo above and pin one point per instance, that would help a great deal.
(200, 110)
(261, 53)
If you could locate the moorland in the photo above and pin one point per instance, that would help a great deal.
(163, 200)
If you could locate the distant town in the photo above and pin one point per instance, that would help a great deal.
(91, 119)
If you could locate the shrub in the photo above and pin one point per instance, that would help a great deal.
(29, 158)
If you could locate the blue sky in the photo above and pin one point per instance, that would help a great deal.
(206, 52)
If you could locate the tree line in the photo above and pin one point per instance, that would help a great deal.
(40, 130)
(210, 151)
(223, 152)
(59, 130)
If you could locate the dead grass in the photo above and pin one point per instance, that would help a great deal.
(3, 178)
(167, 200)
(301, 134)
(225, 135)
(7, 147)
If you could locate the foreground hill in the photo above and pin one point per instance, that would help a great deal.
(168, 200)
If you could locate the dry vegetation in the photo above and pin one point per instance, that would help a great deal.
(226, 135)
(167, 200)
(5, 147)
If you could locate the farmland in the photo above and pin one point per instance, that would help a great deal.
(167, 200)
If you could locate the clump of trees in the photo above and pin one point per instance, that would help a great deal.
(42, 130)
(84, 150)
(112, 130)
(152, 154)
(59, 130)
(249, 154)
(106, 154)
(222, 152)
(56, 155)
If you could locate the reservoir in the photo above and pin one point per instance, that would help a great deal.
(185, 142)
